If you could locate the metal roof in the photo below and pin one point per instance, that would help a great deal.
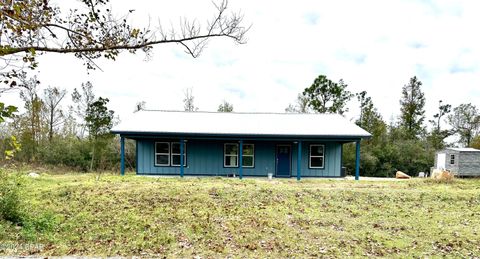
(255, 124)
(464, 149)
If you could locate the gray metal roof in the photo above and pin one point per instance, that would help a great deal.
(257, 124)
(464, 149)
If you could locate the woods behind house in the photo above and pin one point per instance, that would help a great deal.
(77, 135)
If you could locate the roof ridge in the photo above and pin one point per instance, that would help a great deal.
(214, 112)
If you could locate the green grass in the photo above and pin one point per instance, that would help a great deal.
(76, 214)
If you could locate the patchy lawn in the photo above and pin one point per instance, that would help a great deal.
(218, 217)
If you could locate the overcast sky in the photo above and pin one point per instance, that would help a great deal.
(374, 46)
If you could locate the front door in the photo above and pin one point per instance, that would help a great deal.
(283, 161)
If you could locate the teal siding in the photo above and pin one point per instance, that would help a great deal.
(206, 158)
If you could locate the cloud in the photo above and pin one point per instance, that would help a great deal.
(312, 18)
(373, 45)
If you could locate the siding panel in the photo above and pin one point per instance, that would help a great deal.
(206, 158)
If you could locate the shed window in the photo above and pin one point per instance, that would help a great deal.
(230, 155)
(176, 154)
(452, 159)
(248, 159)
(162, 153)
(317, 156)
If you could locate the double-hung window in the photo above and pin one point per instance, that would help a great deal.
(168, 154)
(452, 159)
(176, 154)
(162, 153)
(317, 156)
(231, 153)
(248, 159)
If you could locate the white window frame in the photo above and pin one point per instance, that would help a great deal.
(178, 154)
(310, 156)
(225, 155)
(167, 154)
(452, 159)
(252, 155)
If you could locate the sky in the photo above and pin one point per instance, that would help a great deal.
(373, 45)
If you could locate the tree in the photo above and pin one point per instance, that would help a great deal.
(188, 101)
(437, 135)
(225, 107)
(99, 121)
(476, 142)
(375, 159)
(301, 105)
(31, 123)
(34, 27)
(326, 96)
(140, 106)
(54, 115)
(370, 119)
(412, 109)
(465, 122)
(83, 99)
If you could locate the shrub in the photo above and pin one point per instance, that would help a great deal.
(10, 202)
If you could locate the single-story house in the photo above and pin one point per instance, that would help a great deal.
(241, 144)
(460, 161)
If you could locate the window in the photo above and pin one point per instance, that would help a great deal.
(230, 155)
(176, 154)
(162, 153)
(317, 156)
(452, 159)
(248, 155)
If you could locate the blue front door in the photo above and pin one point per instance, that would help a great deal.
(283, 161)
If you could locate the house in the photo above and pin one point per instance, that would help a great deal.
(460, 161)
(214, 143)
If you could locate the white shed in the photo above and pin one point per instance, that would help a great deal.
(460, 161)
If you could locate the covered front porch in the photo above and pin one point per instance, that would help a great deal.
(206, 155)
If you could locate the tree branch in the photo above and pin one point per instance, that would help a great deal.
(14, 50)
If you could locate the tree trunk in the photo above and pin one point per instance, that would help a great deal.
(50, 133)
(93, 157)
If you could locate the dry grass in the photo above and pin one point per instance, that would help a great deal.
(218, 217)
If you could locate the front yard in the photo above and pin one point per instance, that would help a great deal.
(78, 214)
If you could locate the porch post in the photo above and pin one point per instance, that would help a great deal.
(240, 160)
(299, 160)
(357, 160)
(122, 155)
(182, 169)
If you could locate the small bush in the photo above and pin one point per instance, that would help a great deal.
(44, 223)
(10, 202)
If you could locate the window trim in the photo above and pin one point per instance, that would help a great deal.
(252, 155)
(225, 155)
(178, 154)
(452, 159)
(310, 156)
(156, 153)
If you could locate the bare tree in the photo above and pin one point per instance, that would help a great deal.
(140, 106)
(188, 101)
(33, 107)
(54, 115)
(33, 27)
(82, 100)
(301, 105)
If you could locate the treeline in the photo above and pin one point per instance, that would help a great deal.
(75, 136)
(407, 143)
